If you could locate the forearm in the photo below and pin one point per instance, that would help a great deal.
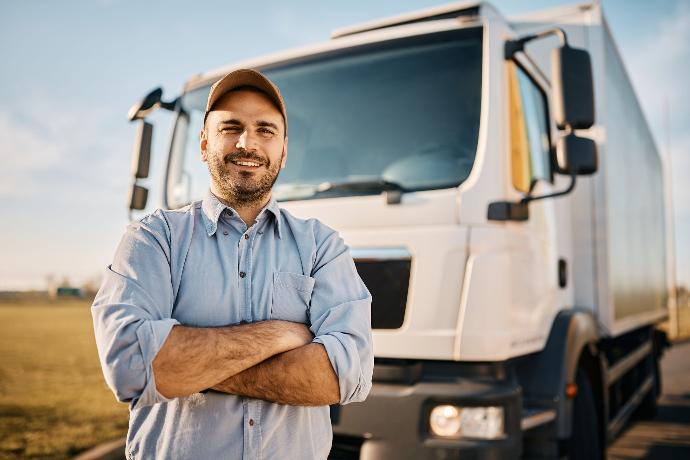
(300, 377)
(193, 359)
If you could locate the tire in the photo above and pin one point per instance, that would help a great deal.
(585, 443)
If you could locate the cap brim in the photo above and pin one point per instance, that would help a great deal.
(246, 77)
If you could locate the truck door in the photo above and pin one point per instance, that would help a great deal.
(535, 276)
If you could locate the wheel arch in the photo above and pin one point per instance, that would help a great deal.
(544, 376)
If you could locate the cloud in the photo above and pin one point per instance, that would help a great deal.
(48, 149)
(64, 184)
(24, 150)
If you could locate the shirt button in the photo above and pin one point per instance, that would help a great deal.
(251, 422)
(246, 236)
(225, 232)
(242, 274)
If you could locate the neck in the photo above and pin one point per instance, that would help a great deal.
(246, 210)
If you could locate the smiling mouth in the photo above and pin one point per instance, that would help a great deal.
(246, 163)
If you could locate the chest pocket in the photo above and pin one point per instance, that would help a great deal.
(291, 297)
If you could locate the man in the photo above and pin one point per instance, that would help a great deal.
(230, 325)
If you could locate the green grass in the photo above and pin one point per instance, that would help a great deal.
(54, 402)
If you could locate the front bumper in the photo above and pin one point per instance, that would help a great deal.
(393, 422)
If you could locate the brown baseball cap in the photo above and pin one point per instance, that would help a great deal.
(246, 77)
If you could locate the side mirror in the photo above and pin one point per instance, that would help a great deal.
(149, 104)
(137, 197)
(141, 156)
(573, 88)
(576, 155)
(142, 108)
(573, 107)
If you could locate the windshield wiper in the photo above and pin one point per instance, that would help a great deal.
(393, 190)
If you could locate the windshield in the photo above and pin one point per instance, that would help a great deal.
(403, 112)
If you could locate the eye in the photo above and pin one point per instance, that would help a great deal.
(266, 131)
(230, 129)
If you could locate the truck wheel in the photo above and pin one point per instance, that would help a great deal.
(584, 441)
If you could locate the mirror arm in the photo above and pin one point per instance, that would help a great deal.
(170, 106)
(518, 211)
(513, 46)
(569, 189)
(141, 114)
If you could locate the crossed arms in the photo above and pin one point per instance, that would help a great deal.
(272, 360)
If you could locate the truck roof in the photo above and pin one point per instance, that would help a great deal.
(572, 13)
(470, 10)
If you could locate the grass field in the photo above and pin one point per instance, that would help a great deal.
(53, 400)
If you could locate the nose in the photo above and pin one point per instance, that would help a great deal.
(243, 141)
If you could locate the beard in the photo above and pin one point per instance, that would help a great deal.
(242, 187)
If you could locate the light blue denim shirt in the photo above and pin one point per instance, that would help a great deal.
(201, 266)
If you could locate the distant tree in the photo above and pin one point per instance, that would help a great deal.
(91, 285)
(51, 286)
(682, 296)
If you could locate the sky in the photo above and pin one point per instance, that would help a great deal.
(71, 70)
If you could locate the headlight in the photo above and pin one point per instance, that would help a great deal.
(467, 422)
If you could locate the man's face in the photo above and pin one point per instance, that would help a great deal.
(244, 144)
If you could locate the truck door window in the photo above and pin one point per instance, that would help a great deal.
(529, 130)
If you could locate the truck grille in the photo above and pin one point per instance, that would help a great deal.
(386, 274)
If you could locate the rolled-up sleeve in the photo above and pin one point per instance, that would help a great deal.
(340, 315)
(132, 312)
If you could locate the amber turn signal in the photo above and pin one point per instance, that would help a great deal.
(571, 390)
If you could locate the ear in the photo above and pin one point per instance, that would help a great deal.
(283, 158)
(203, 144)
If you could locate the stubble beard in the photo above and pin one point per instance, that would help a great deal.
(247, 189)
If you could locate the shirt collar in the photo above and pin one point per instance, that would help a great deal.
(212, 209)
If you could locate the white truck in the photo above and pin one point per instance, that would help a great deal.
(503, 199)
